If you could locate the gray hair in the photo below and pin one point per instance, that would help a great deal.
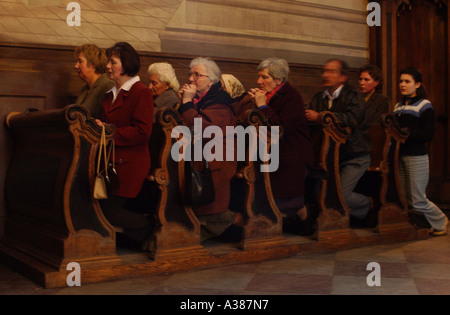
(166, 74)
(212, 69)
(278, 68)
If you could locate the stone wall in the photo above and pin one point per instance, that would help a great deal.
(304, 31)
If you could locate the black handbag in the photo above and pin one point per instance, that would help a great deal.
(199, 185)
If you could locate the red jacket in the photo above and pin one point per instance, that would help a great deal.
(132, 114)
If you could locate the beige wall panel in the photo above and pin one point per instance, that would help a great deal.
(303, 31)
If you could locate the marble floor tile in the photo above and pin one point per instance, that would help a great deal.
(210, 279)
(433, 286)
(298, 266)
(291, 283)
(358, 268)
(430, 271)
(410, 268)
(353, 285)
(188, 290)
(429, 255)
(388, 253)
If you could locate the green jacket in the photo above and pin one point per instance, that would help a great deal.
(93, 99)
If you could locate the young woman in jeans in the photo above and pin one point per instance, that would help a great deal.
(416, 113)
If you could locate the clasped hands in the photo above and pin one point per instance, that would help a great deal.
(258, 96)
(187, 93)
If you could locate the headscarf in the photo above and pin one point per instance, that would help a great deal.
(232, 85)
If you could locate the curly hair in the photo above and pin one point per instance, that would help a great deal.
(166, 74)
(375, 72)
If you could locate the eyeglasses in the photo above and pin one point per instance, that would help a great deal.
(196, 75)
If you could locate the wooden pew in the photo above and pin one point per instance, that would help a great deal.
(178, 230)
(43, 234)
(52, 218)
(328, 136)
(263, 226)
(381, 180)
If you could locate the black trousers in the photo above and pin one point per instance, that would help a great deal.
(136, 225)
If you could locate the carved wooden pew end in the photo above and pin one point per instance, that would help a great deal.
(327, 138)
(178, 230)
(263, 228)
(52, 218)
(392, 206)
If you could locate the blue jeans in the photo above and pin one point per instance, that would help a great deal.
(351, 171)
(414, 174)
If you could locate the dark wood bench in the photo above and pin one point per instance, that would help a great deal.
(52, 218)
(263, 226)
(381, 180)
(328, 136)
(178, 230)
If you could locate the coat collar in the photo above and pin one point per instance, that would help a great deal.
(125, 87)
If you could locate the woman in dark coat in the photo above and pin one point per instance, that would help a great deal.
(370, 83)
(204, 98)
(283, 105)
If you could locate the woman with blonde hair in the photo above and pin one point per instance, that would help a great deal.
(91, 64)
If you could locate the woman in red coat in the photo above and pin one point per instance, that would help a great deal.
(129, 107)
(203, 97)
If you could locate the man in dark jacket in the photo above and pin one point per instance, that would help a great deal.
(347, 105)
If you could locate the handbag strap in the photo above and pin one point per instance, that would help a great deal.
(102, 150)
(112, 153)
(205, 161)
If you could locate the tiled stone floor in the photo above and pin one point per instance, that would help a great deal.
(410, 268)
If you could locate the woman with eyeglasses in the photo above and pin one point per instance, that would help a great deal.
(203, 97)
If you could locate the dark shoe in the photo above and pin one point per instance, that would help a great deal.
(294, 225)
(419, 220)
(357, 222)
(371, 219)
(123, 241)
(233, 234)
